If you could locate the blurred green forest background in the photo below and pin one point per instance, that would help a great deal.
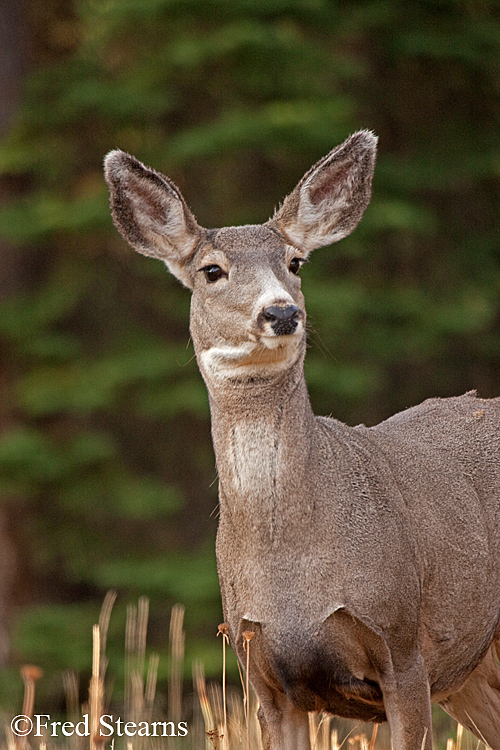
(107, 476)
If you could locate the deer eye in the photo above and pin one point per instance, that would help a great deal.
(213, 273)
(295, 265)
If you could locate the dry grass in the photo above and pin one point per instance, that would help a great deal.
(219, 718)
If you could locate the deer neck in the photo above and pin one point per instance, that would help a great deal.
(261, 431)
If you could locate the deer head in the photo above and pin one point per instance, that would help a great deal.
(247, 309)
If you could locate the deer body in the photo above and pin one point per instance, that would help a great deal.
(365, 560)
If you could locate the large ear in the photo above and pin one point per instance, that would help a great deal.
(151, 214)
(330, 199)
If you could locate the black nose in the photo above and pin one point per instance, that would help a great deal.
(283, 320)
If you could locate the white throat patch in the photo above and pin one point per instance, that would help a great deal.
(270, 355)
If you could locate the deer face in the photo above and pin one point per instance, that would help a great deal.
(247, 310)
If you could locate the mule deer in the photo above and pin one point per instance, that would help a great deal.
(365, 560)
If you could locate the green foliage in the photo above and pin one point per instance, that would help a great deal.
(105, 463)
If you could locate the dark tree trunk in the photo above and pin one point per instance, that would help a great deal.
(13, 66)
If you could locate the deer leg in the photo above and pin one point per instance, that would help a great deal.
(477, 704)
(408, 707)
(283, 726)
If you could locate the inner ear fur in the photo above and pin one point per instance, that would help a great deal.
(330, 199)
(151, 214)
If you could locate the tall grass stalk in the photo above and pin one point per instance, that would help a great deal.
(247, 637)
(224, 631)
(96, 690)
(177, 639)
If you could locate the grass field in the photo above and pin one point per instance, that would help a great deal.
(213, 716)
